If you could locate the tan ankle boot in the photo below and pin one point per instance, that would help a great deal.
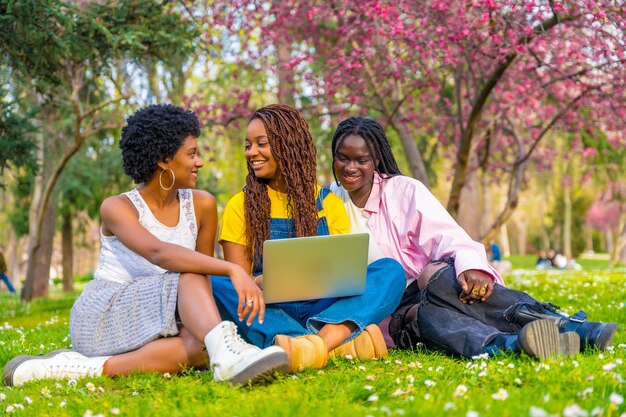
(370, 344)
(304, 352)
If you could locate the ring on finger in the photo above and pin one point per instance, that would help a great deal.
(249, 301)
(482, 291)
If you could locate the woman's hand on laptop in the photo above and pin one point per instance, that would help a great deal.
(251, 303)
(258, 280)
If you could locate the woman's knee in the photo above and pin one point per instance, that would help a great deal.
(190, 276)
(428, 273)
(389, 271)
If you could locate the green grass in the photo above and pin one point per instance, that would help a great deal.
(406, 383)
(591, 262)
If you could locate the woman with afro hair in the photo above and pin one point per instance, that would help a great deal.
(150, 306)
(282, 199)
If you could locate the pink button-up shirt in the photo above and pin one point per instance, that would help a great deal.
(411, 226)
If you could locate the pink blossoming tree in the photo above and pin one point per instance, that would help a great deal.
(484, 82)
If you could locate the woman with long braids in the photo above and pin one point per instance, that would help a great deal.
(454, 300)
(282, 199)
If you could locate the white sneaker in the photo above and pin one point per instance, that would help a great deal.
(59, 364)
(235, 360)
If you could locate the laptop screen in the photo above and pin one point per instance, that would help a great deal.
(314, 267)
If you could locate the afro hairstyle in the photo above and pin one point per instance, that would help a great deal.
(154, 134)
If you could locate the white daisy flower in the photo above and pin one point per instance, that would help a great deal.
(537, 412)
(501, 395)
(615, 398)
(574, 410)
(609, 367)
(460, 391)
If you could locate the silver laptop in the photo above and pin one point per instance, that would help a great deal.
(314, 267)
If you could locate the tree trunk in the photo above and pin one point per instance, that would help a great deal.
(478, 102)
(567, 219)
(522, 236)
(286, 87)
(39, 257)
(469, 215)
(620, 241)
(12, 249)
(42, 217)
(154, 87)
(28, 291)
(12, 259)
(486, 202)
(413, 154)
(504, 241)
(68, 255)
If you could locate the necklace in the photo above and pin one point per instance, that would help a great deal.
(363, 199)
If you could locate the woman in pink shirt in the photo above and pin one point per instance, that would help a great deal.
(454, 300)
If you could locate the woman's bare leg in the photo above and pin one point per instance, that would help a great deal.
(199, 316)
(336, 334)
(169, 354)
(196, 305)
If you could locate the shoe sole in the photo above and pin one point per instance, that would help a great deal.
(570, 343)
(605, 339)
(10, 367)
(263, 372)
(540, 339)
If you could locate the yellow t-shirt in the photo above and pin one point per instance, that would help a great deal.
(234, 220)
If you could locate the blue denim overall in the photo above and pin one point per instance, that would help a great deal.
(443, 322)
(384, 287)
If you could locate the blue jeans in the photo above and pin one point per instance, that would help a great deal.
(383, 290)
(6, 280)
(445, 323)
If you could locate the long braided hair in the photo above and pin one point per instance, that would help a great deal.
(294, 150)
(376, 140)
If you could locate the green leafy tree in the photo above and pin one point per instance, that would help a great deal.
(74, 79)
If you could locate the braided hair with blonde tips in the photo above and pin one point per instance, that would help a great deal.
(294, 150)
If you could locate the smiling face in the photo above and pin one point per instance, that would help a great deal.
(354, 167)
(259, 154)
(185, 164)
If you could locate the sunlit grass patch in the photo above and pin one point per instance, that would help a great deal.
(418, 382)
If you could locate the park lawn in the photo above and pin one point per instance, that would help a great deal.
(587, 262)
(406, 383)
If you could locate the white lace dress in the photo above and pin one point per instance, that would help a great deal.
(131, 301)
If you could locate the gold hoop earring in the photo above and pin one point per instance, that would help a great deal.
(161, 179)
